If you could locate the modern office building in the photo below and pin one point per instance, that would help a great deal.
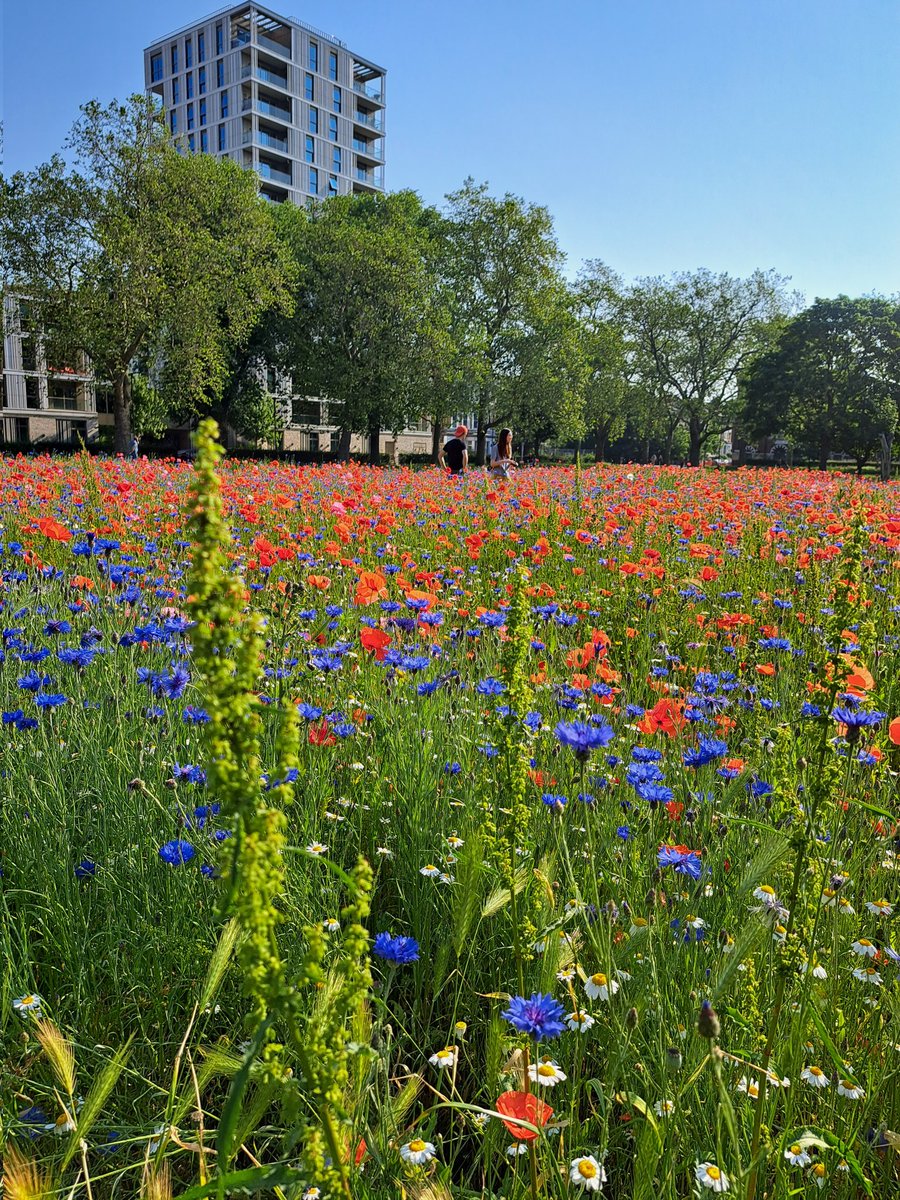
(277, 96)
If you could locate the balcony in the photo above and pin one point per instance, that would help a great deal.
(372, 176)
(267, 171)
(372, 91)
(373, 149)
(273, 143)
(271, 44)
(274, 110)
(274, 77)
(372, 120)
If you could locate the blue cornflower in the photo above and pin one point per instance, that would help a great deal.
(685, 862)
(176, 852)
(325, 660)
(810, 710)
(401, 950)
(623, 832)
(540, 1016)
(49, 699)
(194, 715)
(85, 869)
(707, 751)
(171, 683)
(452, 768)
(645, 754)
(857, 718)
(309, 712)
(490, 687)
(554, 801)
(583, 737)
(655, 793)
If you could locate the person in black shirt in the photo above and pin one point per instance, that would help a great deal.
(454, 455)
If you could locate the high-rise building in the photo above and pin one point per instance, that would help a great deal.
(277, 96)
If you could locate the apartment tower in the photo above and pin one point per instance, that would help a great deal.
(277, 96)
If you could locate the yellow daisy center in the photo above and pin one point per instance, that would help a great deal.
(599, 980)
(417, 1145)
(27, 1001)
(770, 891)
(795, 1149)
(714, 1172)
(586, 1169)
(546, 1069)
(817, 1071)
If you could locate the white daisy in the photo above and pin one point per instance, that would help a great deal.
(28, 1006)
(867, 975)
(712, 1177)
(664, 1108)
(864, 948)
(818, 1174)
(316, 848)
(445, 1058)
(846, 1087)
(599, 987)
(587, 1173)
(797, 1156)
(430, 871)
(749, 1087)
(417, 1152)
(331, 925)
(579, 1022)
(516, 1149)
(880, 908)
(815, 1077)
(546, 1072)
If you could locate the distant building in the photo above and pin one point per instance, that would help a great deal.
(277, 96)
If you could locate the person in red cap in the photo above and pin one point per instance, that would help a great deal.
(454, 455)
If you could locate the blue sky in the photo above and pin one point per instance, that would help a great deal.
(662, 134)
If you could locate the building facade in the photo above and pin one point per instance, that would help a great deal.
(277, 96)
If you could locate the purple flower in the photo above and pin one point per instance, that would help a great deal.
(857, 718)
(582, 737)
(685, 862)
(540, 1016)
(401, 950)
(176, 852)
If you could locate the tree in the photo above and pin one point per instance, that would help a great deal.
(142, 251)
(502, 264)
(597, 299)
(832, 381)
(367, 320)
(692, 336)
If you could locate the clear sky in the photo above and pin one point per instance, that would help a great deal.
(662, 134)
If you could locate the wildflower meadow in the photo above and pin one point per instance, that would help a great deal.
(374, 833)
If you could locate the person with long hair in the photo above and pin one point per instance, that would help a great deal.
(502, 461)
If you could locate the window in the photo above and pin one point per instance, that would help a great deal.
(201, 80)
(332, 65)
(192, 144)
(336, 160)
(201, 47)
(202, 112)
(189, 86)
(223, 140)
(173, 123)
(220, 39)
(271, 381)
(223, 110)
(220, 73)
(336, 100)
(313, 120)
(62, 393)
(156, 68)
(332, 185)
(32, 392)
(105, 399)
(188, 52)
(313, 56)
(332, 128)
(174, 60)
(310, 149)
(314, 181)
(71, 433)
(204, 141)
(309, 87)
(190, 116)
(176, 91)
(14, 431)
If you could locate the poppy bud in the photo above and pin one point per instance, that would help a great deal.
(708, 1022)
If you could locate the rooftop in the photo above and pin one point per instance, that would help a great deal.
(229, 8)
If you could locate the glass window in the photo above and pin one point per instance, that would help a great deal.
(202, 112)
(156, 68)
(314, 181)
(204, 141)
(173, 122)
(332, 65)
(336, 160)
(310, 149)
(189, 86)
(201, 47)
(223, 141)
(224, 107)
(176, 91)
(192, 145)
(188, 52)
(336, 100)
(309, 87)
(313, 120)
(220, 74)
(190, 116)
(313, 56)
(332, 128)
(332, 185)
(220, 39)
(174, 60)
(201, 80)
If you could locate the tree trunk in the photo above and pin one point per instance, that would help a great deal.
(694, 431)
(343, 450)
(122, 431)
(374, 445)
(437, 437)
(646, 455)
(823, 456)
(667, 448)
(481, 445)
(885, 458)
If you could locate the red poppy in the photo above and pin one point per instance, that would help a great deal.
(523, 1106)
(894, 731)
